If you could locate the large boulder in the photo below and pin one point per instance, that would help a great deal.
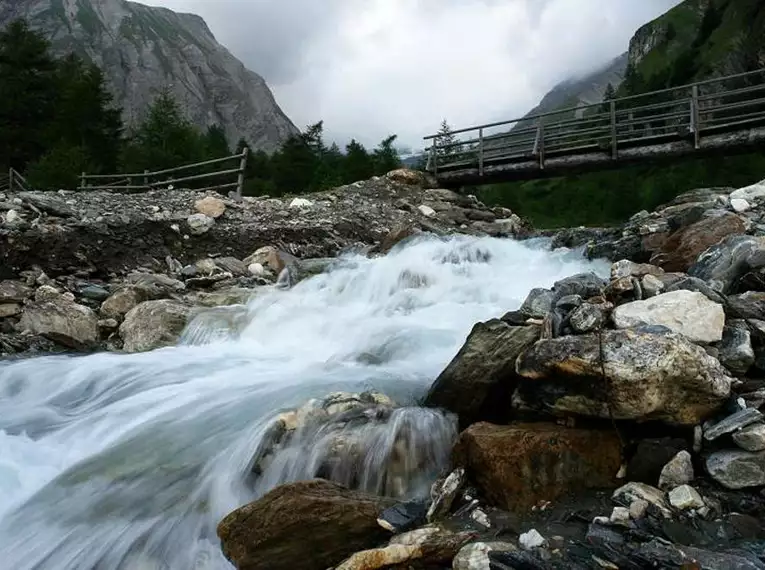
(686, 312)
(737, 469)
(650, 374)
(482, 371)
(683, 247)
(312, 525)
(62, 321)
(154, 324)
(723, 264)
(121, 302)
(517, 466)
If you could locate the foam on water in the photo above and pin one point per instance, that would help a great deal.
(127, 462)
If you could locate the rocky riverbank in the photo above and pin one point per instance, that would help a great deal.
(606, 423)
(90, 271)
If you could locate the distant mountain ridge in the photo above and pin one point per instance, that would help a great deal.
(143, 49)
(580, 91)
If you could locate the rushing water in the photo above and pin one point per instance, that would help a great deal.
(127, 462)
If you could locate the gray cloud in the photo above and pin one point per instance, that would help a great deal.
(400, 66)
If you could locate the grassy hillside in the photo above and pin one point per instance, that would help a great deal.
(694, 40)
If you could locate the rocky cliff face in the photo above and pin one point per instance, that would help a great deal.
(143, 49)
(710, 37)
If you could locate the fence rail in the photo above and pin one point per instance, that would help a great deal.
(606, 131)
(13, 181)
(145, 181)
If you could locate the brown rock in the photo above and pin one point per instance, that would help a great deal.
(311, 525)
(683, 247)
(412, 178)
(271, 258)
(210, 206)
(517, 466)
(396, 235)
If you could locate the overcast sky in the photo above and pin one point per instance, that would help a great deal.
(370, 68)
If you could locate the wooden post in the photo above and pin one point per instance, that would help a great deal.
(434, 150)
(695, 127)
(10, 180)
(614, 147)
(541, 148)
(82, 181)
(480, 152)
(240, 180)
(146, 177)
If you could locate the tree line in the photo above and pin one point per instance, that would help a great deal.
(58, 119)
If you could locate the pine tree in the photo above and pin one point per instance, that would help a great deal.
(447, 143)
(27, 94)
(216, 144)
(386, 157)
(358, 164)
(165, 139)
(85, 115)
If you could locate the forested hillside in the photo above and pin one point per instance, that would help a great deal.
(58, 119)
(695, 40)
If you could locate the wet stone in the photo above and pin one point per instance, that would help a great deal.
(403, 517)
(732, 423)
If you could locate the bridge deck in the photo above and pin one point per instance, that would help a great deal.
(722, 115)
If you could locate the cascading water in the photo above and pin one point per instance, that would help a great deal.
(128, 462)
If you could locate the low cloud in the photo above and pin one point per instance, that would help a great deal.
(377, 67)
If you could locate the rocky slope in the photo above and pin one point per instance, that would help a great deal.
(606, 423)
(143, 49)
(73, 265)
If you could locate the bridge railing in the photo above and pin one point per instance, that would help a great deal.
(145, 181)
(686, 112)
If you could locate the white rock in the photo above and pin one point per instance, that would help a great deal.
(685, 497)
(532, 539)
(481, 518)
(749, 193)
(651, 285)
(638, 507)
(678, 471)
(199, 224)
(426, 211)
(739, 205)
(751, 438)
(301, 203)
(257, 269)
(686, 312)
(620, 516)
(475, 556)
(12, 216)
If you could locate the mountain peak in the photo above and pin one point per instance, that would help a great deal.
(144, 49)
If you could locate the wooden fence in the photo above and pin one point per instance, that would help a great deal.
(685, 113)
(13, 181)
(146, 180)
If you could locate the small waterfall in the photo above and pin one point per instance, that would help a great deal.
(128, 462)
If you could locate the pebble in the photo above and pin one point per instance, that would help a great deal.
(638, 509)
(620, 516)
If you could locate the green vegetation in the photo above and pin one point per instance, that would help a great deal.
(57, 120)
(696, 40)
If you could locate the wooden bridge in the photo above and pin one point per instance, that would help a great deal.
(725, 115)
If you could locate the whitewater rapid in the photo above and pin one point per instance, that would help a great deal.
(128, 462)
